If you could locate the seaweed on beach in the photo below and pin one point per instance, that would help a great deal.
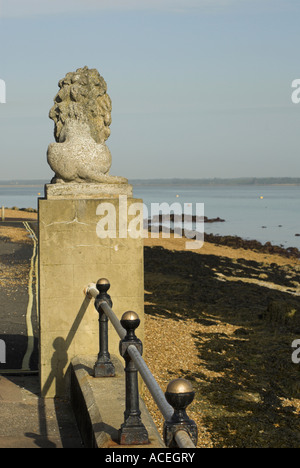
(254, 245)
(227, 325)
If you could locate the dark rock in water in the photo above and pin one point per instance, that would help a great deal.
(297, 235)
(213, 220)
(174, 218)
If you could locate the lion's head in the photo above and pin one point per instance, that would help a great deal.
(82, 96)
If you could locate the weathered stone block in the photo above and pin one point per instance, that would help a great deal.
(71, 255)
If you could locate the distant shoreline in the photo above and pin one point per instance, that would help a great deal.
(20, 186)
(235, 182)
(175, 182)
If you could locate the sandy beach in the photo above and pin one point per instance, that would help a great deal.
(225, 319)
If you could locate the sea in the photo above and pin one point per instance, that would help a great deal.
(263, 213)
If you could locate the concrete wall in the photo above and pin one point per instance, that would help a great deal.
(71, 255)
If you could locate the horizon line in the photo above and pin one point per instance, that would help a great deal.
(171, 178)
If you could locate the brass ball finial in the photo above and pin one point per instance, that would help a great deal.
(130, 321)
(130, 315)
(103, 285)
(103, 281)
(179, 395)
(180, 386)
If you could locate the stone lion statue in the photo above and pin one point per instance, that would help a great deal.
(82, 115)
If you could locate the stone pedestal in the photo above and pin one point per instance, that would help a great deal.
(86, 191)
(73, 252)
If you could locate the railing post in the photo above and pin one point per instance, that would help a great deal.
(103, 366)
(132, 431)
(179, 395)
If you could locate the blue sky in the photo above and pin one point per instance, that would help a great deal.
(200, 88)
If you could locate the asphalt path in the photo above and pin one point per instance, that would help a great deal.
(27, 420)
(18, 302)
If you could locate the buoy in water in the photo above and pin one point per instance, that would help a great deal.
(261, 198)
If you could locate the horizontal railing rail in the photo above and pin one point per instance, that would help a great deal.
(179, 430)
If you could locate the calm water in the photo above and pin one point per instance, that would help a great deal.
(274, 218)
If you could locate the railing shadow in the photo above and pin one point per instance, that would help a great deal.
(59, 361)
(60, 356)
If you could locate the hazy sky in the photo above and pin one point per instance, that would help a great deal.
(200, 88)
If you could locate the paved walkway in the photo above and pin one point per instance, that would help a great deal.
(27, 421)
(18, 309)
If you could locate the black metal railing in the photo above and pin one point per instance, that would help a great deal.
(179, 430)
